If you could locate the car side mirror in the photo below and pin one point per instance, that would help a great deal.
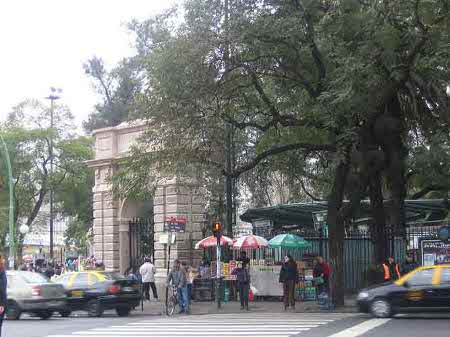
(406, 284)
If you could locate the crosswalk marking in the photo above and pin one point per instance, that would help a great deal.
(220, 325)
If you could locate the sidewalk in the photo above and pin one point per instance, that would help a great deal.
(205, 308)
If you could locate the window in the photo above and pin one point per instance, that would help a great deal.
(112, 276)
(445, 276)
(421, 278)
(64, 280)
(81, 280)
(34, 278)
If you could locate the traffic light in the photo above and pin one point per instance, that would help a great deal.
(217, 229)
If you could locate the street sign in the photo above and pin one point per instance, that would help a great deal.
(167, 238)
(177, 225)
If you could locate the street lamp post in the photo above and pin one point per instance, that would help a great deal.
(12, 234)
(319, 219)
(52, 97)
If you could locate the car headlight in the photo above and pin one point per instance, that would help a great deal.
(363, 295)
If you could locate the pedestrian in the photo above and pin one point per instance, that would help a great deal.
(409, 265)
(321, 274)
(3, 293)
(289, 277)
(189, 280)
(391, 270)
(178, 278)
(148, 272)
(243, 283)
(24, 267)
(244, 259)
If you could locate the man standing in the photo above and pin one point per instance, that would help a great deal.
(391, 270)
(148, 272)
(3, 294)
(178, 278)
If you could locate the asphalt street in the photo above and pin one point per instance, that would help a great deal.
(233, 325)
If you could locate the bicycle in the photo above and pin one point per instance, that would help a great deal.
(172, 301)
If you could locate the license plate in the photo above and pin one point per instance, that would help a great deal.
(127, 289)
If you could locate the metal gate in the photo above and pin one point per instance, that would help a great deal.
(141, 241)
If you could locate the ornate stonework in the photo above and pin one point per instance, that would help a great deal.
(111, 216)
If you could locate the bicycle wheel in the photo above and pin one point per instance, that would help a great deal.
(171, 305)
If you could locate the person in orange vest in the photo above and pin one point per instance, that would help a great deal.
(391, 270)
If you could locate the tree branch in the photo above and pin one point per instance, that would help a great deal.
(274, 151)
(302, 184)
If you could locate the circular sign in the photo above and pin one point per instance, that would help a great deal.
(443, 233)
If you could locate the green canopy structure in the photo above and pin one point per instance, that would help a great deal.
(301, 214)
(289, 241)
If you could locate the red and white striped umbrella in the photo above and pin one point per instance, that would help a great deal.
(211, 241)
(251, 242)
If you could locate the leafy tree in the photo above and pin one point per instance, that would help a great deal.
(28, 136)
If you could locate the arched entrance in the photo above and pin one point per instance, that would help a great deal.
(120, 240)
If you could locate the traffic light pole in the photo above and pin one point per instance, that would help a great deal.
(218, 275)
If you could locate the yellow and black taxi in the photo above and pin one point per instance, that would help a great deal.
(97, 291)
(423, 289)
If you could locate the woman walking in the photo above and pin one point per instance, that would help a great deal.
(289, 277)
(243, 284)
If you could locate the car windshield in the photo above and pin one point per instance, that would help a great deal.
(113, 276)
(34, 278)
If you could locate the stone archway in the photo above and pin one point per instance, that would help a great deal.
(111, 216)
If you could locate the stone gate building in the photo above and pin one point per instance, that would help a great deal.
(113, 225)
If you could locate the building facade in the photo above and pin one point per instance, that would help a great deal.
(114, 242)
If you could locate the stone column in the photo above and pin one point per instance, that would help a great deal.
(178, 201)
(106, 226)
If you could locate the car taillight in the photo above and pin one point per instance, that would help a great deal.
(36, 291)
(114, 289)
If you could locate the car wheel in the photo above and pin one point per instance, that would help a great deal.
(65, 314)
(123, 312)
(13, 311)
(95, 309)
(381, 308)
(45, 315)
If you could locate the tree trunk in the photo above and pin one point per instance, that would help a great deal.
(378, 231)
(336, 233)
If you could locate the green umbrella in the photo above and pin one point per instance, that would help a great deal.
(289, 241)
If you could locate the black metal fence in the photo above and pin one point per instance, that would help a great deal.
(141, 241)
(360, 263)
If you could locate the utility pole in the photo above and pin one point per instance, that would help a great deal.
(52, 97)
(12, 231)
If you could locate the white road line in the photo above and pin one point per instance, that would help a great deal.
(210, 329)
(183, 334)
(362, 328)
(258, 323)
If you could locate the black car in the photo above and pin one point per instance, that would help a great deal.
(96, 291)
(423, 289)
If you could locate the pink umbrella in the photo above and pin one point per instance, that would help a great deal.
(251, 242)
(211, 241)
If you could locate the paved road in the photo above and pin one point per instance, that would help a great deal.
(233, 325)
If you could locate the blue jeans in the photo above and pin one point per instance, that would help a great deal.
(183, 298)
(189, 290)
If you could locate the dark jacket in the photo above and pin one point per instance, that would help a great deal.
(407, 267)
(288, 272)
(242, 275)
(3, 287)
(322, 269)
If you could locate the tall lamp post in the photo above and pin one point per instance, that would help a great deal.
(12, 232)
(54, 95)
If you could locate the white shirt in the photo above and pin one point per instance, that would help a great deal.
(147, 272)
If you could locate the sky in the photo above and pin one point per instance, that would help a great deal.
(44, 44)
